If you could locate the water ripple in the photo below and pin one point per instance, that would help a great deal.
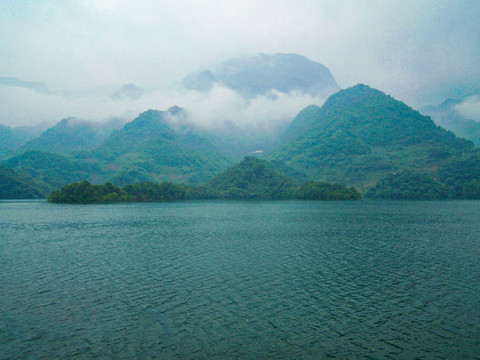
(229, 280)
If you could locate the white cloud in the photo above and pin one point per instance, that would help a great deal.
(20, 106)
(222, 105)
(419, 51)
(470, 108)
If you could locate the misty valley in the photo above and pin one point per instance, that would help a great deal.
(168, 234)
(359, 138)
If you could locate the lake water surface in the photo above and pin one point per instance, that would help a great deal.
(232, 280)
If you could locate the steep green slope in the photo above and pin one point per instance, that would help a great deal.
(158, 146)
(360, 135)
(51, 170)
(14, 185)
(149, 125)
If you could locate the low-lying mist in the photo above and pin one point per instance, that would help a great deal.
(470, 108)
(218, 108)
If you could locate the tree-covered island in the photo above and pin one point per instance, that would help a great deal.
(251, 179)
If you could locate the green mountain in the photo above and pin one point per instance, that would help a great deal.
(23, 134)
(127, 92)
(158, 146)
(360, 135)
(252, 179)
(51, 171)
(11, 139)
(14, 185)
(71, 135)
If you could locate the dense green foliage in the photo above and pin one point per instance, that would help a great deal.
(252, 179)
(51, 170)
(14, 185)
(314, 190)
(360, 135)
(150, 148)
(148, 191)
(146, 149)
(87, 193)
(408, 185)
(149, 125)
(459, 179)
(463, 177)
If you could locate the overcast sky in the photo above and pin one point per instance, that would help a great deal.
(419, 51)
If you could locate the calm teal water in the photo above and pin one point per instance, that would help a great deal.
(228, 280)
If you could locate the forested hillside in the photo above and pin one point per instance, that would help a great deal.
(158, 146)
(251, 179)
(71, 135)
(361, 135)
(14, 185)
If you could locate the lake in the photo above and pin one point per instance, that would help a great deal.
(230, 280)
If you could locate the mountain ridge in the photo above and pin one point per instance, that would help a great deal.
(357, 138)
(257, 75)
(361, 134)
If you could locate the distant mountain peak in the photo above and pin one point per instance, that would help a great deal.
(127, 92)
(259, 74)
(447, 115)
(359, 91)
(32, 85)
(202, 81)
(71, 134)
(449, 103)
(176, 110)
(70, 121)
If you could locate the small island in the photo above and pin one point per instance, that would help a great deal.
(251, 179)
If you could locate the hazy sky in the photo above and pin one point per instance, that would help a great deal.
(420, 51)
